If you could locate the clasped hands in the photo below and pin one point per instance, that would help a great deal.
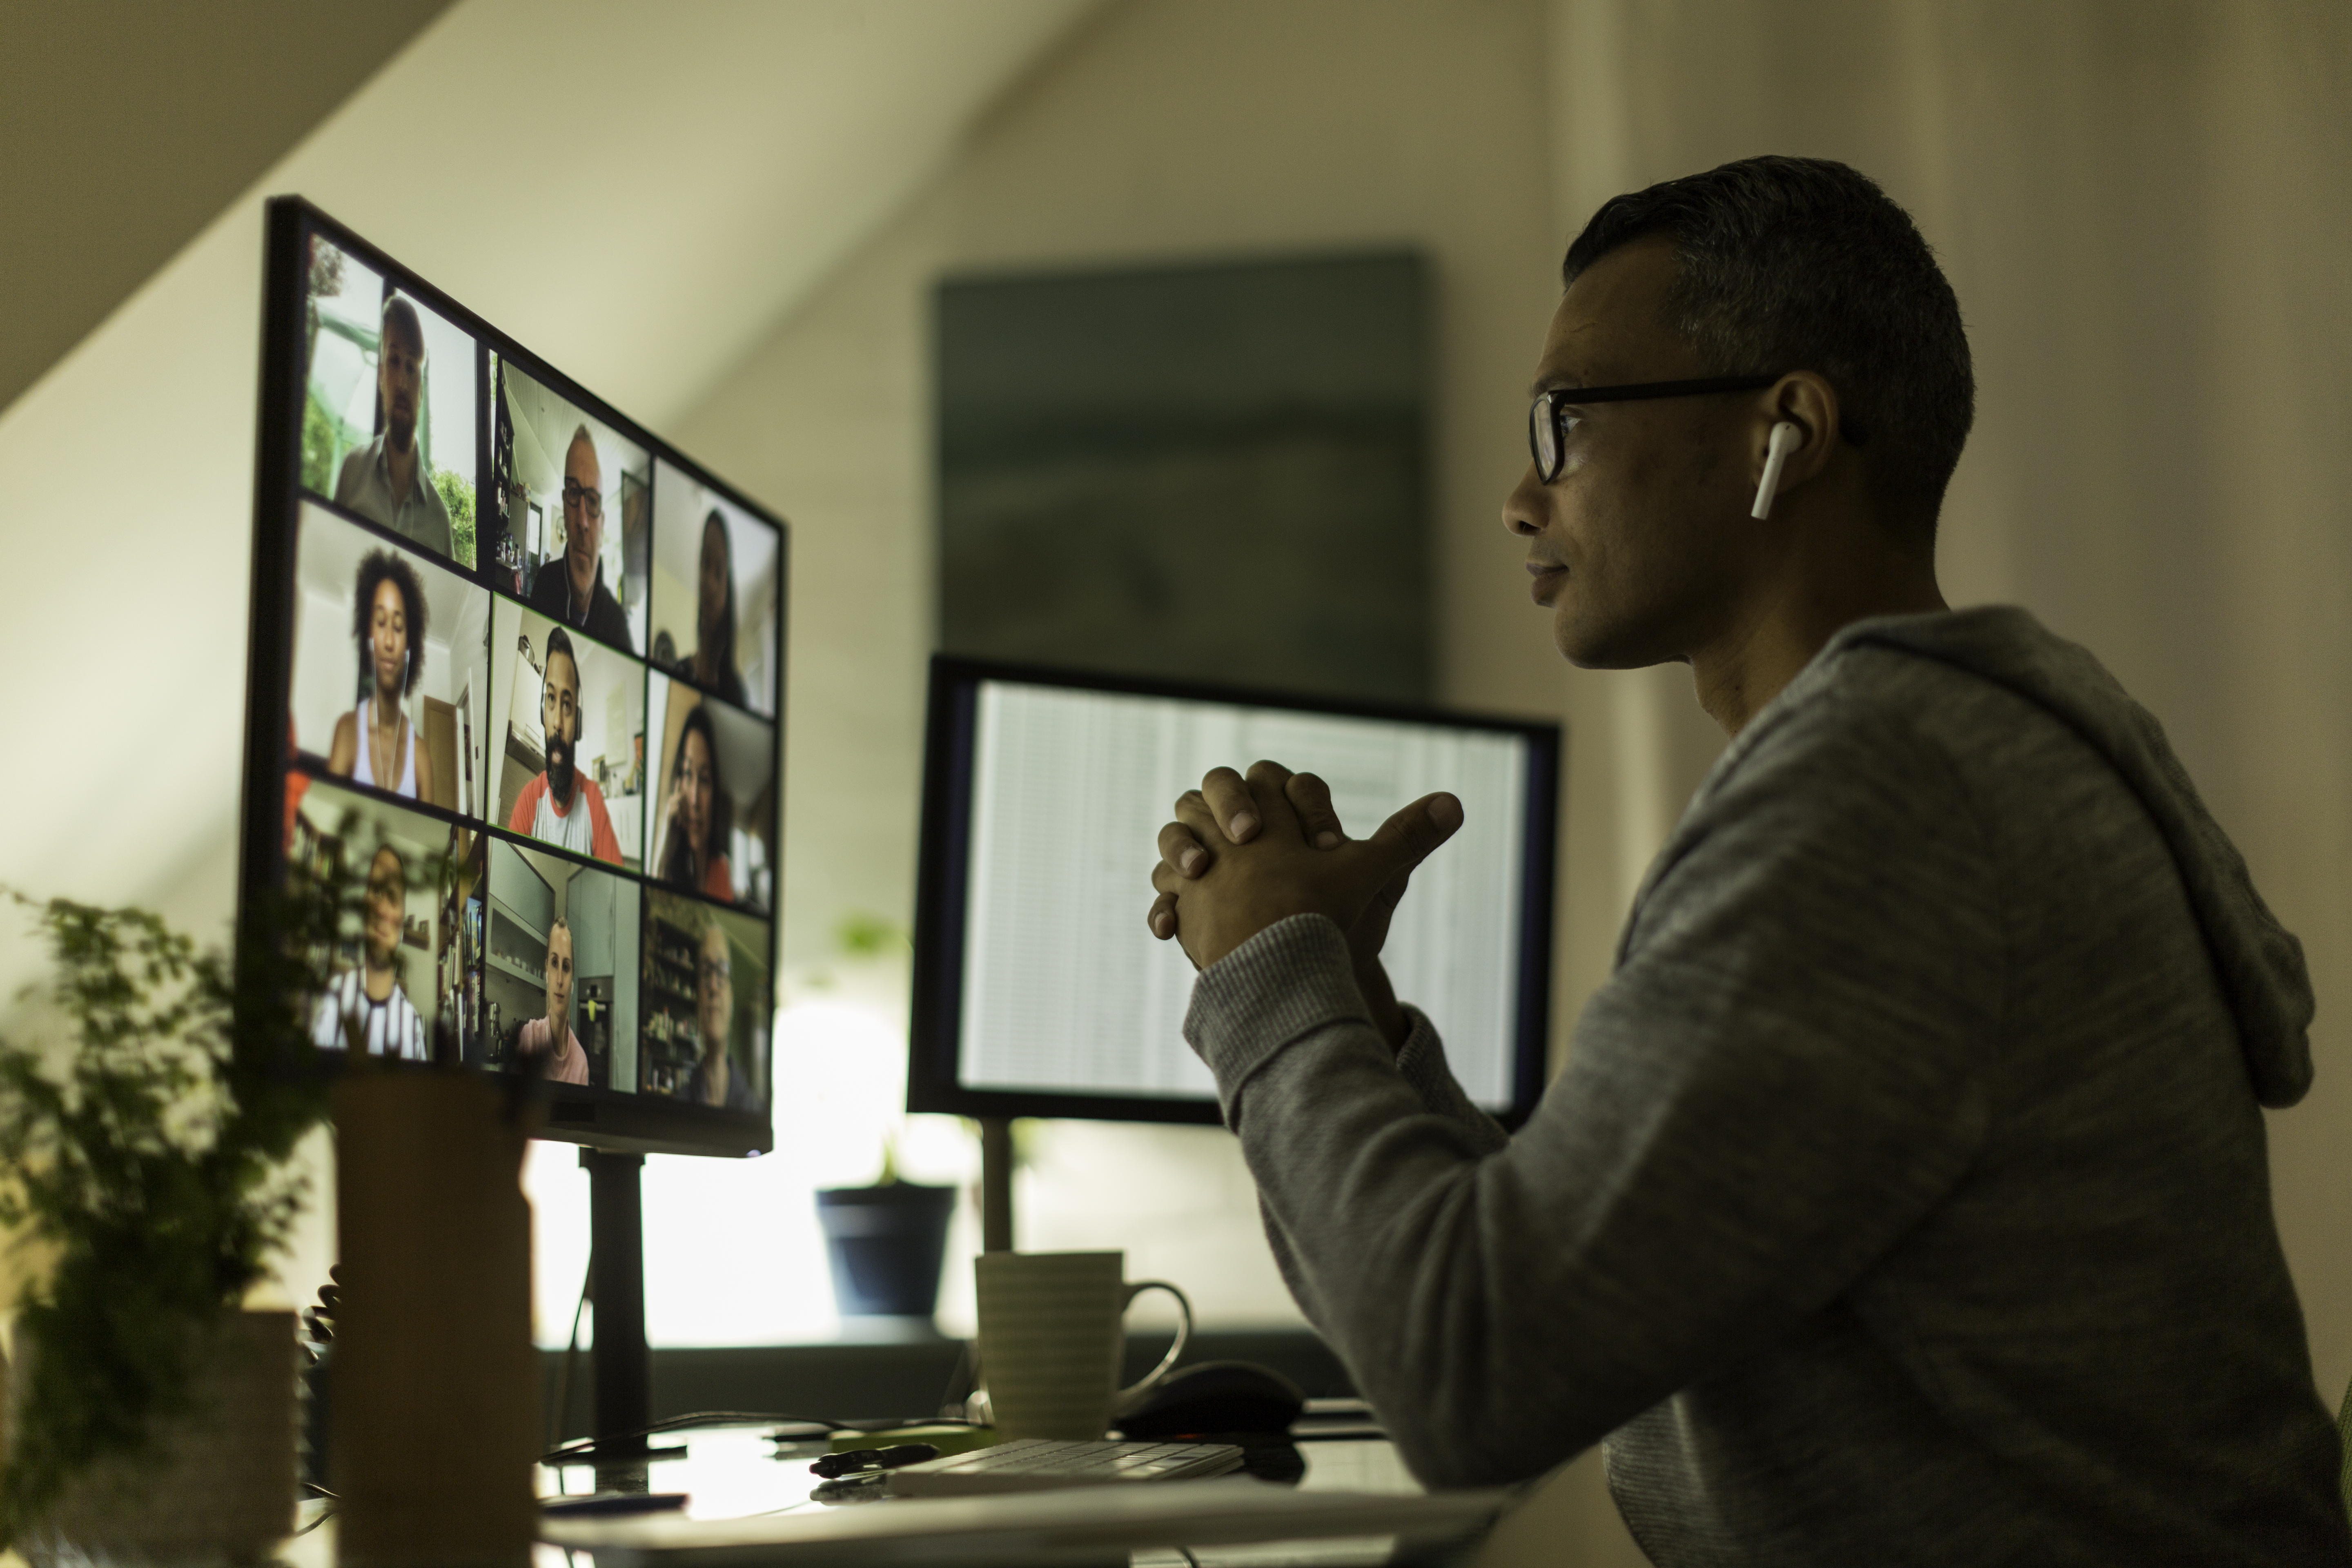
(1246, 852)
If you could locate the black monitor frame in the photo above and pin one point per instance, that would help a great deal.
(935, 1042)
(610, 1120)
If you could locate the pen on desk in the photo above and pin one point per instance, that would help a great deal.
(877, 1460)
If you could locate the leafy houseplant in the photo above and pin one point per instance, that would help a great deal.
(146, 1166)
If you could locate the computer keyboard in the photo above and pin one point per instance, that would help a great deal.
(1038, 1464)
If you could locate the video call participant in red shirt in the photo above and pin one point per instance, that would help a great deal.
(563, 805)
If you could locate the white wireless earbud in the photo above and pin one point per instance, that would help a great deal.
(1783, 441)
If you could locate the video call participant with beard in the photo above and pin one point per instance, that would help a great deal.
(563, 805)
(364, 1007)
(717, 1079)
(573, 590)
(711, 665)
(385, 482)
(374, 743)
(537, 1038)
(695, 818)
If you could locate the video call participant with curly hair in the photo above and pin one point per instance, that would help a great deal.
(697, 815)
(563, 805)
(364, 1007)
(386, 481)
(374, 743)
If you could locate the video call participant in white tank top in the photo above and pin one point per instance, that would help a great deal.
(367, 999)
(374, 743)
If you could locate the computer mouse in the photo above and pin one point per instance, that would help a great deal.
(1219, 1396)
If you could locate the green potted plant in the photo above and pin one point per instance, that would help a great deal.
(146, 1153)
(887, 1242)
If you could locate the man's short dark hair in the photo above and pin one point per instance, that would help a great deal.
(1805, 264)
(399, 313)
(378, 567)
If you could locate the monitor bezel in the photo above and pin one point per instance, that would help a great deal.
(615, 1121)
(935, 1016)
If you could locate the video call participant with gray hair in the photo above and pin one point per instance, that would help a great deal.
(717, 1079)
(570, 588)
(1905, 1196)
(386, 481)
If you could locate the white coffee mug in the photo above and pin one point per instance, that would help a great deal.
(1052, 1332)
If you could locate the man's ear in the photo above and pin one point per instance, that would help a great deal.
(1808, 406)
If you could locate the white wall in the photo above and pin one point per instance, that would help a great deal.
(1195, 130)
(1206, 129)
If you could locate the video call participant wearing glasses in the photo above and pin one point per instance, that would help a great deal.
(697, 815)
(573, 590)
(717, 1079)
(711, 665)
(374, 743)
(1904, 1198)
(364, 1007)
(551, 1036)
(563, 805)
(385, 482)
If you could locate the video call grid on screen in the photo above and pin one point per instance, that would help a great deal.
(473, 649)
(1040, 992)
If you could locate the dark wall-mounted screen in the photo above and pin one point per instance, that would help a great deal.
(520, 663)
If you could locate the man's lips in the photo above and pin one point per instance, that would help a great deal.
(1548, 575)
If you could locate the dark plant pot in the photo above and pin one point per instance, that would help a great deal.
(886, 1244)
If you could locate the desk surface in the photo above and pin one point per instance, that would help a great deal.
(728, 1473)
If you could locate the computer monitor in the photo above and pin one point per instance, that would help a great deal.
(520, 661)
(1038, 990)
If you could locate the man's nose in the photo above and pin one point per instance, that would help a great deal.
(1521, 515)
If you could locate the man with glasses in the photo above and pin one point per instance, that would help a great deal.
(717, 1079)
(386, 481)
(573, 590)
(1904, 1198)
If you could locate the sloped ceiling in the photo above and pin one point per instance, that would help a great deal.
(636, 193)
(126, 125)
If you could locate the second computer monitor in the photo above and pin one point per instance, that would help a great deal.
(1038, 990)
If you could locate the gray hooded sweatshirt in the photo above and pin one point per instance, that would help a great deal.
(1905, 1199)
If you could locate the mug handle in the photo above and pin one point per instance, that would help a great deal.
(1183, 1334)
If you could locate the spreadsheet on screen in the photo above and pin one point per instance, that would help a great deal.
(1065, 990)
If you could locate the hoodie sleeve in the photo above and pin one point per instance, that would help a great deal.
(1782, 1076)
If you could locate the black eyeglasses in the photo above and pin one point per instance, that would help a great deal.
(1548, 441)
(1547, 438)
(588, 500)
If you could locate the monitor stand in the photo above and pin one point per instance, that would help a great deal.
(996, 1184)
(624, 1367)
